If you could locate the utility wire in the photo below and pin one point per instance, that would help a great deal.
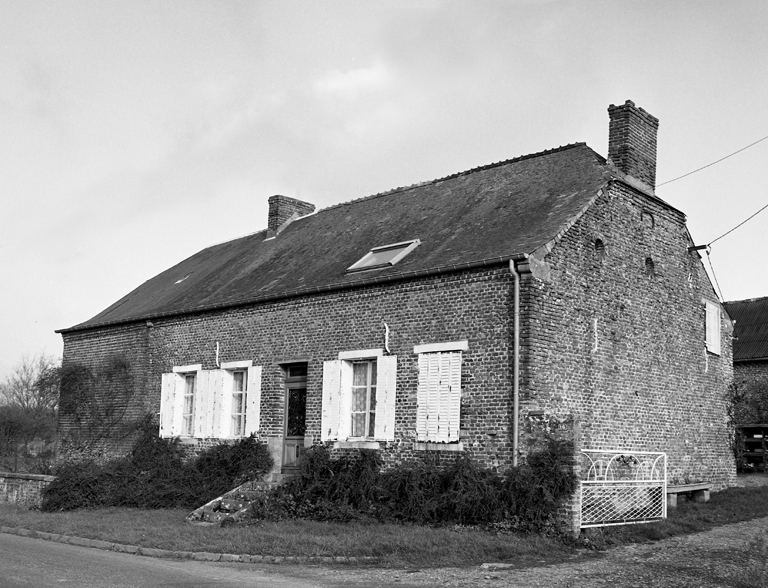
(709, 259)
(737, 226)
(713, 163)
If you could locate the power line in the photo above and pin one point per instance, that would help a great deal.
(737, 226)
(713, 163)
(711, 267)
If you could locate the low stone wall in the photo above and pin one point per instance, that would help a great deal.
(23, 489)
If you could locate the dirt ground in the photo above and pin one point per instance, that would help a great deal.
(723, 557)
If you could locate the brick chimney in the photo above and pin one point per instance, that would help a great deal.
(283, 209)
(632, 142)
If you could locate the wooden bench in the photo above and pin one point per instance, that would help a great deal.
(699, 492)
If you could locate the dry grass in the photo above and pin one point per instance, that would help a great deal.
(394, 545)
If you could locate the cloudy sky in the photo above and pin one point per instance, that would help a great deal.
(133, 134)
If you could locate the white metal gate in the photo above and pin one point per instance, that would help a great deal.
(622, 487)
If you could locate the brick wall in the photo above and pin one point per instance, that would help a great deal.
(751, 379)
(751, 372)
(23, 489)
(472, 305)
(618, 342)
(97, 349)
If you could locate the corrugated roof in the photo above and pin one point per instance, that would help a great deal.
(489, 213)
(751, 328)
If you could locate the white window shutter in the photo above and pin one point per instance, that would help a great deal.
(713, 327)
(453, 408)
(385, 398)
(422, 397)
(222, 425)
(166, 404)
(200, 406)
(177, 412)
(345, 401)
(331, 398)
(253, 400)
(213, 400)
(433, 397)
(438, 397)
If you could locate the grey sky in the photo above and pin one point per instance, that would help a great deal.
(133, 134)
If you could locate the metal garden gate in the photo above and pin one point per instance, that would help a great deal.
(623, 487)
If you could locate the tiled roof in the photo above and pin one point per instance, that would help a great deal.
(478, 217)
(751, 328)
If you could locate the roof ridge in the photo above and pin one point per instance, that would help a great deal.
(747, 300)
(458, 174)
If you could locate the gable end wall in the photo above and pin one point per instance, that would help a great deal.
(623, 351)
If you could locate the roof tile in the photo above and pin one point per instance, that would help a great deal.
(492, 212)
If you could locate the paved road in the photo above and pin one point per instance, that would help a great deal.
(32, 563)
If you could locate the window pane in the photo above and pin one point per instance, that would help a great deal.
(190, 385)
(358, 399)
(358, 425)
(381, 257)
(296, 371)
(372, 425)
(237, 425)
(188, 400)
(237, 403)
(297, 412)
(238, 381)
(360, 373)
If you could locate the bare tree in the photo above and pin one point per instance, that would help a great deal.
(31, 386)
(29, 400)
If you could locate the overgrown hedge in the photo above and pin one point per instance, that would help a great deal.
(156, 475)
(434, 490)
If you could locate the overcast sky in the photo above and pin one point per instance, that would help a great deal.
(134, 134)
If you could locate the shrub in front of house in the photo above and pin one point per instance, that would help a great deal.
(155, 474)
(434, 490)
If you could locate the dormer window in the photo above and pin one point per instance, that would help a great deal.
(384, 256)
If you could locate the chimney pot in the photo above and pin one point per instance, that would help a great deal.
(632, 142)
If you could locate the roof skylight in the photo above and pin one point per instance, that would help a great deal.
(384, 256)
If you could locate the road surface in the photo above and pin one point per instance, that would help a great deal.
(32, 563)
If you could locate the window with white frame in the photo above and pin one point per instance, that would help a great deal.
(188, 412)
(180, 401)
(712, 326)
(363, 410)
(222, 403)
(438, 396)
(359, 396)
(238, 403)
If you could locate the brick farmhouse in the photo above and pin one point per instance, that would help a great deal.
(443, 316)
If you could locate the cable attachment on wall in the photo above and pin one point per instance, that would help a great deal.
(386, 336)
(217, 355)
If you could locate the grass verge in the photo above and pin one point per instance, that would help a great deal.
(393, 545)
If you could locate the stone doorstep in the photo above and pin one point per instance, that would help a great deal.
(199, 555)
(699, 492)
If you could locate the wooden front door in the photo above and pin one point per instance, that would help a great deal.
(295, 414)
